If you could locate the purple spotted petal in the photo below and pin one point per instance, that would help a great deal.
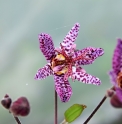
(85, 78)
(117, 57)
(42, 73)
(68, 42)
(89, 55)
(119, 93)
(46, 45)
(62, 88)
(113, 77)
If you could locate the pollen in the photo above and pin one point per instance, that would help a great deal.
(60, 57)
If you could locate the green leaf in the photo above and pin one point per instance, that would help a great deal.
(73, 112)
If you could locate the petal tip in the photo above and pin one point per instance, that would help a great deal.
(41, 34)
(77, 24)
(36, 77)
(98, 82)
(119, 39)
(100, 51)
(65, 99)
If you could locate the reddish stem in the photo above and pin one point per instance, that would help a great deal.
(56, 109)
(98, 106)
(17, 120)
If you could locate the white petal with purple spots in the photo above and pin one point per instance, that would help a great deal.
(68, 42)
(46, 45)
(117, 57)
(42, 73)
(83, 77)
(88, 55)
(62, 88)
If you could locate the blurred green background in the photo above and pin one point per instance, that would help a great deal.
(20, 56)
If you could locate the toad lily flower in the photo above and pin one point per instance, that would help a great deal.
(66, 61)
(116, 72)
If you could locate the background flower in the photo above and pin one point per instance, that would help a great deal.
(116, 72)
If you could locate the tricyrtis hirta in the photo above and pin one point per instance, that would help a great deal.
(66, 61)
(116, 72)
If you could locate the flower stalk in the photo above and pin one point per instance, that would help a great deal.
(17, 120)
(96, 109)
(56, 108)
(64, 122)
(98, 106)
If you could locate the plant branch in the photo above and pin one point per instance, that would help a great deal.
(56, 109)
(98, 106)
(95, 110)
(17, 120)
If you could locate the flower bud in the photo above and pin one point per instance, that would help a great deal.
(110, 93)
(20, 107)
(115, 102)
(6, 101)
(73, 112)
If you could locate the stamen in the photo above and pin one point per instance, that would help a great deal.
(63, 52)
(69, 73)
(82, 56)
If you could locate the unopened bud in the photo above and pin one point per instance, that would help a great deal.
(110, 93)
(6, 101)
(115, 102)
(20, 107)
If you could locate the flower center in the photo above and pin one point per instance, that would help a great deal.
(59, 64)
(119, 80)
